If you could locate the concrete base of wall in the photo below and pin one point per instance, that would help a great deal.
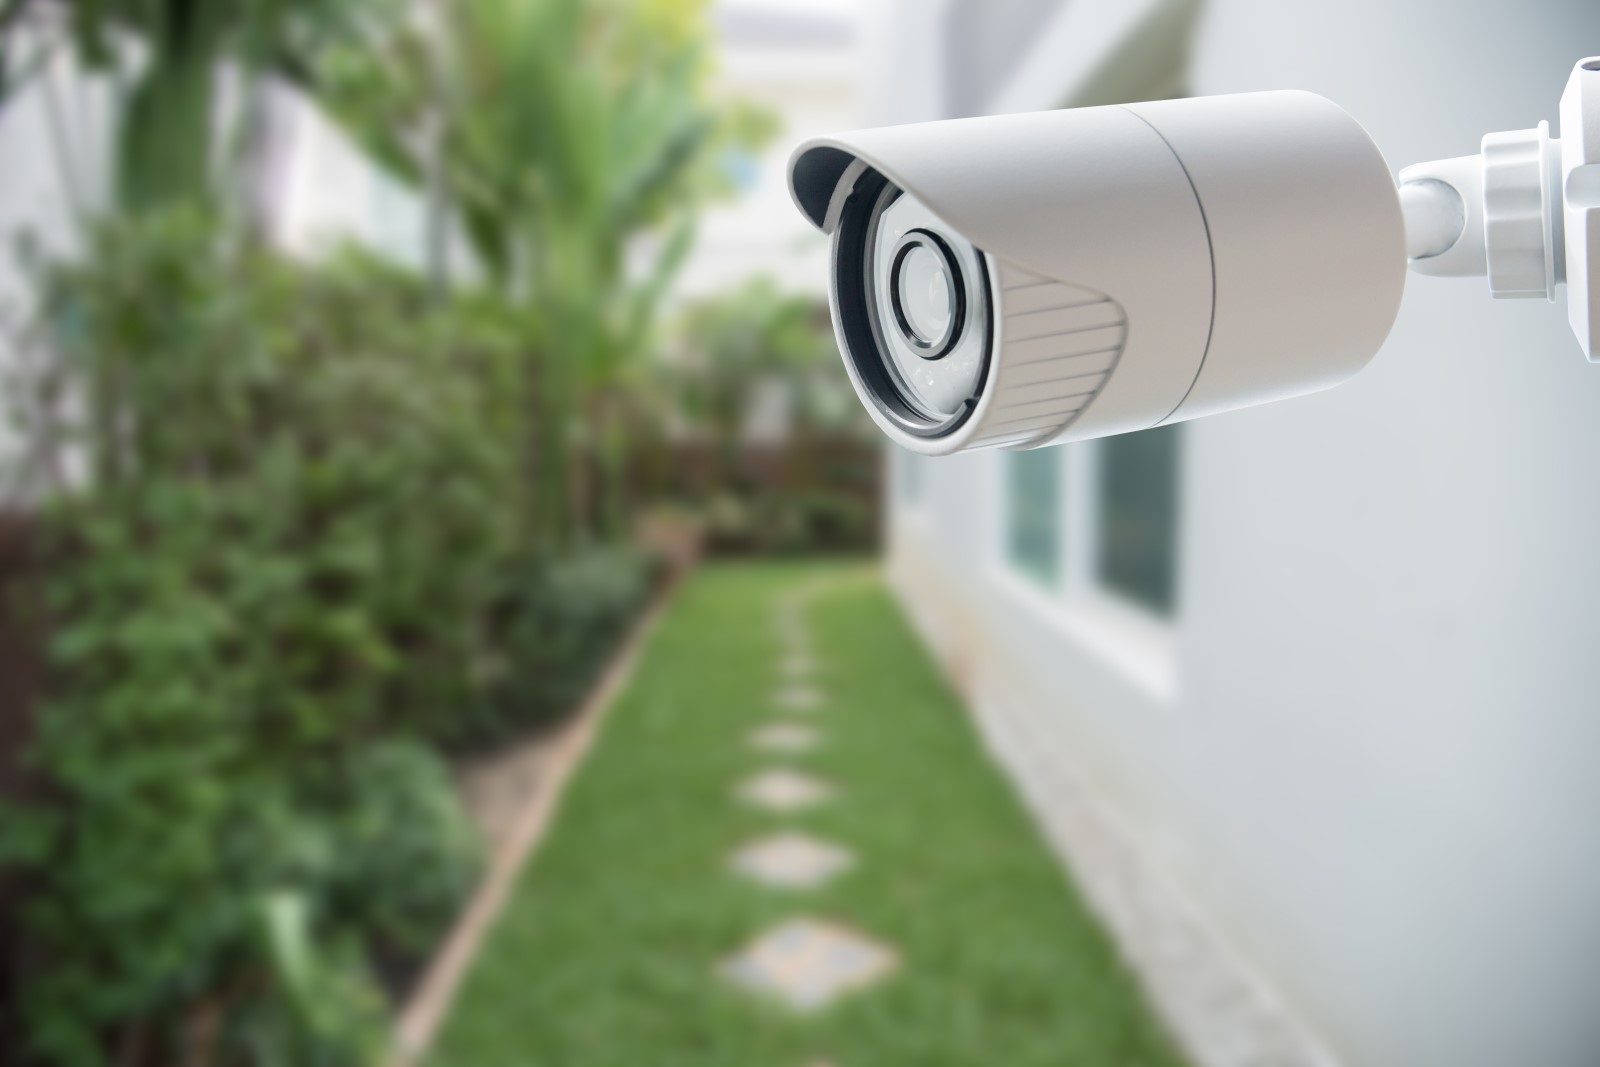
(1217, 1008)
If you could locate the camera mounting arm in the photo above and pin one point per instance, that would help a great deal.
(1524, 212)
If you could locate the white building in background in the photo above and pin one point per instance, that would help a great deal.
(1307, 694)
(324, 193)
(799, 61)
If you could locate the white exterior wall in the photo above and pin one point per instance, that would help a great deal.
(55, 134)
(1363, 752)
(325, 194)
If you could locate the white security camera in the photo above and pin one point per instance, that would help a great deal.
(1025, 280)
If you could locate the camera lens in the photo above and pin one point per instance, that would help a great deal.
(925, 286)
(912, 303)
(932, 349)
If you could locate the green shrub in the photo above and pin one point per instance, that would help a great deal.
(396, 824)
(299, 488)
(556, 619)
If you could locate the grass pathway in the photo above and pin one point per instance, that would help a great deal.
(611, 949)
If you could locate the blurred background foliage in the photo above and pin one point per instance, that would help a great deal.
(554, 132)
(797, 485)
(308, 533)
(171, 58)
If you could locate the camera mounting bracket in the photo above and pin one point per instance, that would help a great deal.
(1523, 213)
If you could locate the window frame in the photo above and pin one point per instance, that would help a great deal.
(1136, 641)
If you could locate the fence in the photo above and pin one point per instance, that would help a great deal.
(818, 495)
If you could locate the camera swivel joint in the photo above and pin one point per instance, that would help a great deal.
(1524, 212)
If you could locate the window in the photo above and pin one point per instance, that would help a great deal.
(1033, 513)
(1136, 510)
(1097, 521)
(908, 476)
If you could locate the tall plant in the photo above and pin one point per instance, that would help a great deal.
(167, 133)
(570, 128)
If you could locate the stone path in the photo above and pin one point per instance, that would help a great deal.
(782, 790)
(809, 963)
(798, 698)
(797, 666)
(792, 860)
(785, 737)
(805, 963)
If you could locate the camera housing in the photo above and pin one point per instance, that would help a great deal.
(1023, 280)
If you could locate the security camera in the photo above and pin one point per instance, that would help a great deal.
(1033, 279)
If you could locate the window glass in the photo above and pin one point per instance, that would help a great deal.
(1033, 513)
(1137, 516)
(909, 470)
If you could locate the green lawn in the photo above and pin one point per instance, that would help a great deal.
(606, 954)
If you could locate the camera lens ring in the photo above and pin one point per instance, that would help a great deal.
(949, 271)
(862, 343)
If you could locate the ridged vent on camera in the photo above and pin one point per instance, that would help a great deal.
(1055, 346)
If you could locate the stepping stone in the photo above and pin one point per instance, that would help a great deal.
(795, 642)
(807, 964)
(792, 631)
(789, 623)
(785, 737)
(792, 861)
(797, 666)
(783, 790)
(798, 698)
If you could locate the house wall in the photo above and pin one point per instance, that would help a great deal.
(323, 194)
(1362, 751)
